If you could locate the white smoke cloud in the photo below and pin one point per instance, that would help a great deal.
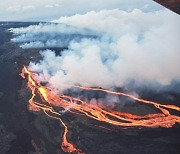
(134, 46)
(49, 28)
(49, 35)
(120, 22)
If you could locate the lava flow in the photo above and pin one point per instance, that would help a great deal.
(50, 99)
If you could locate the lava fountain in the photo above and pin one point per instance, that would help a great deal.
(51, 99)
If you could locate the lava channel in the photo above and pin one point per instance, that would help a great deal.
(51, 99)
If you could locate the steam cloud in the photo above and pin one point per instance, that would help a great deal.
(49, 35)
(130, 46)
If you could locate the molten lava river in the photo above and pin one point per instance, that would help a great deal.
(51, 99)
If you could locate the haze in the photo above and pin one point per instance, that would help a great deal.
(47, 10)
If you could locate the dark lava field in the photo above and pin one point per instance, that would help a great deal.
(26, 132)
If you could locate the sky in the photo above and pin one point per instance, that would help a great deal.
(48, 10)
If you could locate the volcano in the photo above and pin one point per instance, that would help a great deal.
(39, 125)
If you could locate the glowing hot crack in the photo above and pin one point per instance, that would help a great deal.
(102, 114)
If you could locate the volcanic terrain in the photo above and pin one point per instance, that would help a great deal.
(23, 131)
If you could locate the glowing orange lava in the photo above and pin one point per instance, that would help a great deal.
(99, 113)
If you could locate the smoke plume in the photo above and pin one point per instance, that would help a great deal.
(49, 35)
(138, 46)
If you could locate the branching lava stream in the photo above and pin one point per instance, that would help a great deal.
(50, 99)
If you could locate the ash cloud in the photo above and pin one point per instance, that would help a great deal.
(139, 46)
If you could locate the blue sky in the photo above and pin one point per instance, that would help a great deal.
(47, 10)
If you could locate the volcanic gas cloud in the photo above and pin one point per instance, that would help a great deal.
(106, 51)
